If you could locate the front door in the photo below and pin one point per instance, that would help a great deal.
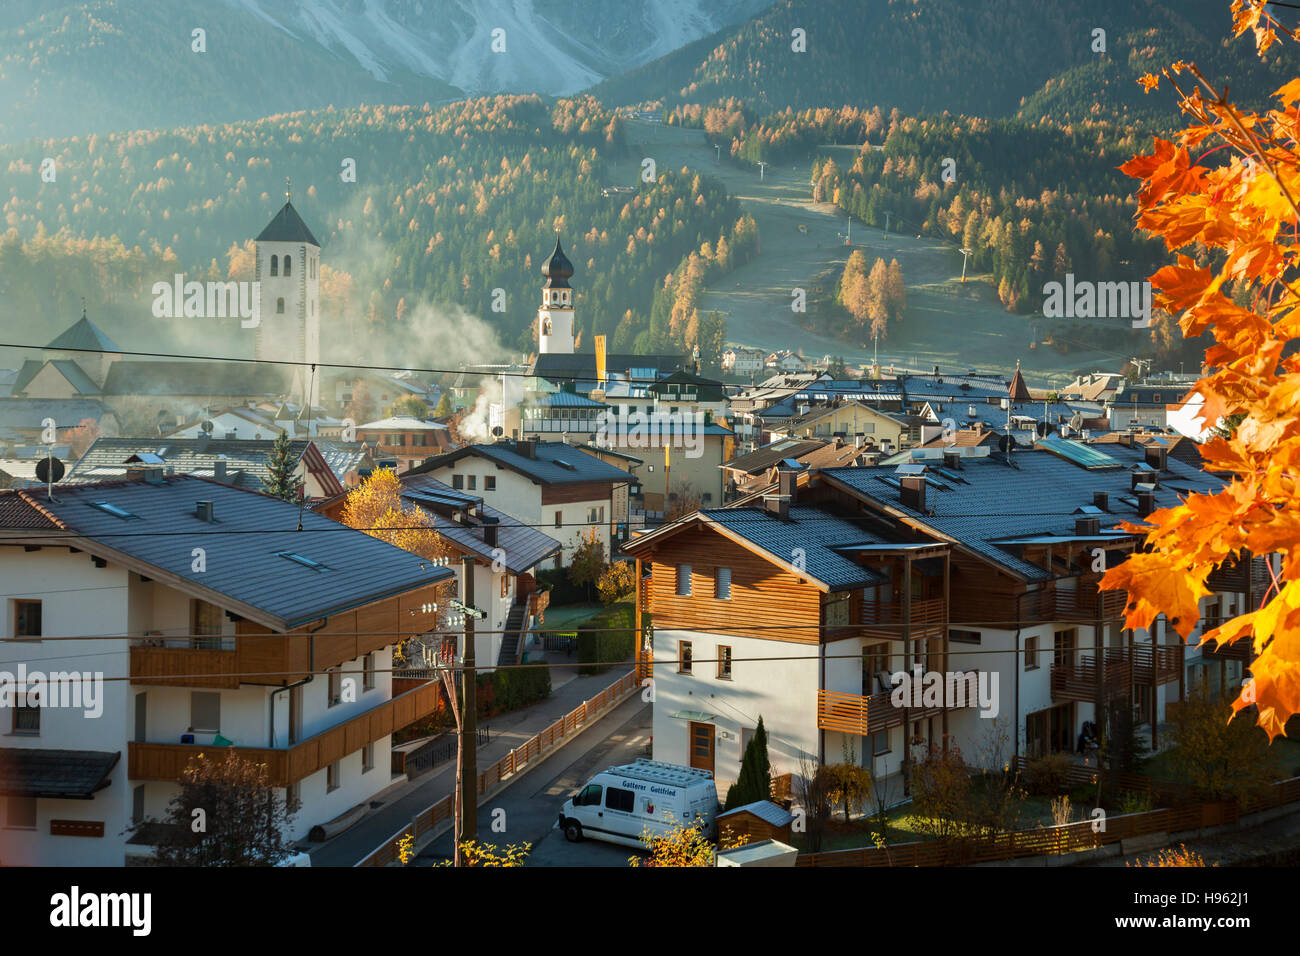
(702, 746)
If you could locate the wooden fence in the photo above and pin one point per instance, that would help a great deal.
(1058, 839)
(512, 763)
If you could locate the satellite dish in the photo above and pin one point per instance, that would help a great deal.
(1043, 429)
(207, 427)
(49, 470)
(497, 431)
(1005, 443)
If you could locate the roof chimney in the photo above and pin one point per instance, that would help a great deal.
(1101, 499)
(913, 492)
(787, 482)
(1087, 526)
(490, 531)
(778, 505)
(149, 474)
(1157, 456)
(219, 469)
(1146, 503)
(204, 512)
(952, 460)
(527, 447)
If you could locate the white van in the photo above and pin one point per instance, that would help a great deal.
(621, 803)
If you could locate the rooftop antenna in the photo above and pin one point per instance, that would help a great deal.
(288, 190)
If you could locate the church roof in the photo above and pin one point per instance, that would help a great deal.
(1018, 390)
(558, 268)
(287, 226)
(84, 334)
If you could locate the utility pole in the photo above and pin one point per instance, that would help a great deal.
(467, 756)
(965, 254)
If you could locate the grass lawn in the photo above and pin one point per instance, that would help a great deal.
(567, 617)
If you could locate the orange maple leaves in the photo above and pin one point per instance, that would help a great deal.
(1235, 226)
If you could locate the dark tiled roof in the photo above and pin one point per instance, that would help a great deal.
(37, 772)
(241, 545)
(84, 334)
(217, 379)
(68, 412)
(524, 547)
(760, 460)
(816, 531)
(287, 226)
(545, 468)
(582, 365)
(994, 501)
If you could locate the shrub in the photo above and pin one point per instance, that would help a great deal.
(611, 638)
(563, 591)
(616, 581)
(505, 690)
(1047, 776)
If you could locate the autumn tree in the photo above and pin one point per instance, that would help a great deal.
(362, 408)
(225, 813)
(617, 581)
(82, 437)
(409, 406)
(682, 845)
(588, 562)
(853, 287)
(1222, 753)
(444, 406)
(1242, 210)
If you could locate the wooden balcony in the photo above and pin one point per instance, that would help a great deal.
(1144, 666)
(1231, 577)
(855, 714)
(886, 620)
(1082, 604)
(184, 666)
(286, 766)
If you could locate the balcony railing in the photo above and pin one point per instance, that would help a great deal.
(1141, 666)
(184, 666)
(288, 765)
(886, 619)
(856, 714)
(1231, 577)
(1082, 604)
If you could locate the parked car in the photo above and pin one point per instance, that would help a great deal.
(621, 803)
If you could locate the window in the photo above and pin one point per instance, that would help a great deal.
(722, 584)
(205, 625)
(875, 670)
(684, 580)
(297, 558)
(113, 510)
(367, 758)
(473, 482)
(279, 305)
(589, 796)
(1063, 648)
(275, 265)
(205, 712)
(835, 609)
(963, 637)
(332, 777)
(559, 521)
(27, 720)
(489, 482)
(880, 743)
(724, 662)
(1031, 653)
(26, 619)
(616, 798)
(505, 585)
(335, 687)
(683, 657)
(288, 265)
(20, 813)
(458, 482)
(368, 672)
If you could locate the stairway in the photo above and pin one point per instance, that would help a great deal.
(510, 650)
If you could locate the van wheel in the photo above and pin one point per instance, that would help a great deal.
(572, 831)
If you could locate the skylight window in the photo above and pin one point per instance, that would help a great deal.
(114, 510)
(306, 562)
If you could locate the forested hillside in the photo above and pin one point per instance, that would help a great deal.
(448, 205)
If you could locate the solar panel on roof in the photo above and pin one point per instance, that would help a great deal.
(1072, 451)
(910, 469)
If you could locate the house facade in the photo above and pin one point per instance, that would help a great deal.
(280, 649)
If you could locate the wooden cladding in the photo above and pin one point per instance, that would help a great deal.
(78, 828)
(263, 656)
(184, 667)
(572, 493)
(762, 594)
(147, 761)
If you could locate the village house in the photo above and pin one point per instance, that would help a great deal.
(244, 634)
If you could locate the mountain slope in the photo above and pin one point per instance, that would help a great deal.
(985, 59)
(70, 68)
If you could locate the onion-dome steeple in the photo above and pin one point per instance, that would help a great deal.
(558, 269)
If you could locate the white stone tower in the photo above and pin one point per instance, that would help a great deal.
(555, 317)
(288, 270)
